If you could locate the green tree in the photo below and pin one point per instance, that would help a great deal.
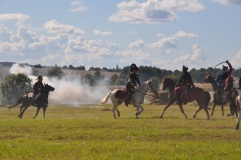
(156, 82)
(113, 79)
(55, 72)
(13, 87)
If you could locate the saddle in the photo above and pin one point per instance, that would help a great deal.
(121, 95)
(183, 91)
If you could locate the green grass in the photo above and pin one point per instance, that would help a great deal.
(86, 133)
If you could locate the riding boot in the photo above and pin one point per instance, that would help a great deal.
(128, 98)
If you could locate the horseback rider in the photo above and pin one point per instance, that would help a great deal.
(37, 89)
(132, 83)
(184, 84)
(222, 77)
(226, 73)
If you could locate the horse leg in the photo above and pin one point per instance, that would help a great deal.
(38, 108)
(113, 110)
(206, 110)
(22, 111)
(137, 110)
(168, 105)
(44, 110)
(181, 108)
(238, 119)
(195, 113)
(222, 109)
(214, 105)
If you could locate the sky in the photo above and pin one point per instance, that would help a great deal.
(105, 33)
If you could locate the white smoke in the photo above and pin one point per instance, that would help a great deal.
(68, 90)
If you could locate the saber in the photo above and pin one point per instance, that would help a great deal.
(219, 64)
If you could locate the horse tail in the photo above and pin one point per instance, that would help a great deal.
(20, 100)
(105, 99)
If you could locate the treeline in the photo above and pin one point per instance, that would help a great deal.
(146, 72)
(71, 67)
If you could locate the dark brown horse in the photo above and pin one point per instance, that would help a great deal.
(27, 100)
(202, 97)
(227, 92)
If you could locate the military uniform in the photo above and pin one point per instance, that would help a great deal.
(132, 83)
(37, 89)
(184, 84)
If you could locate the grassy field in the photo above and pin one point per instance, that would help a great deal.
(89, 133)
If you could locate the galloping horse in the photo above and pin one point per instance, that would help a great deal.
(27, 99)
(228, 85)
(202, 97)
(117, 96)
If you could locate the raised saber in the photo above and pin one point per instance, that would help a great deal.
(219, 64)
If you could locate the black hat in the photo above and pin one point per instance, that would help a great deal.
(134, 67)
(40, 77)
(184, 68)
(224, 68)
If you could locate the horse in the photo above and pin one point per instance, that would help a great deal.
(201, 96)
(117, 96)
(227, 96)
(27, 99)
(238, 104)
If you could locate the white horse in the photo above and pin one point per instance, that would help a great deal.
(238, 103)
(117, 96)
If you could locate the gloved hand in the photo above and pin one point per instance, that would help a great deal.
(227, 61)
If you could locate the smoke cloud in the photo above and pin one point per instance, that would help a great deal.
(69, 89)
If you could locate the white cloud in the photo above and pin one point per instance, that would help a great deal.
(172, 41)
(229, 2)
(153, 11)
(17, 17)
(78, 6)
(194, 60)
(166, 42)
(56, 27)
(184, 34)
(235, 61)
(137, 44)
(98, 32)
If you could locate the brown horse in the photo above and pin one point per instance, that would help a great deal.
(202, 97)
(27, 100)
(225, 96)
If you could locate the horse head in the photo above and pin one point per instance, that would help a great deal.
(167, 83)
(151, 86)
(48, 88)
(208, 79)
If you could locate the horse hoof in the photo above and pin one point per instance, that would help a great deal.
(193, 116)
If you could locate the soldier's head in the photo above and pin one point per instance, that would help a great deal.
(225, 68)
(40, 78)
(184, 68)
(134, 68)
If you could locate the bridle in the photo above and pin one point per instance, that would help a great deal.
(145, 91)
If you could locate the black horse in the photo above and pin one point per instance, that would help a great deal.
(27, 99)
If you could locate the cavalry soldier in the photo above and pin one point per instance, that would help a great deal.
(132, 83)
(184, 84)
(226, 73)
(37, 89)
(222, 77)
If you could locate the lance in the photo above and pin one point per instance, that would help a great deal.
(219, 64)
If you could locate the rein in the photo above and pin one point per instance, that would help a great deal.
(145, 91)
